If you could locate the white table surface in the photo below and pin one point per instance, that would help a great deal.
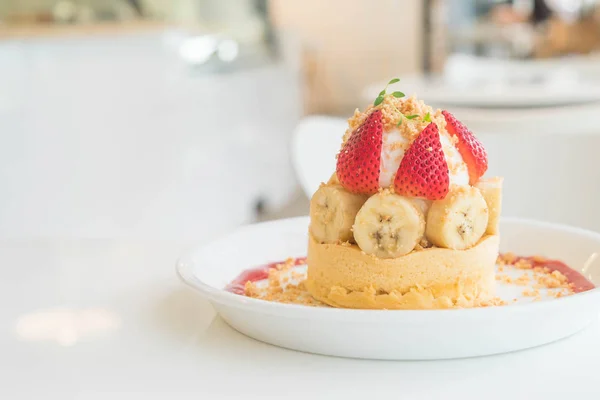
(158, 339)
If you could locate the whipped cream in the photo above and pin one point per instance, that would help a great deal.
(395, 144)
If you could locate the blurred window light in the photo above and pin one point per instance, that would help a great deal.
(65, 326)
(198, 50)
(567, 9)
(228, 50)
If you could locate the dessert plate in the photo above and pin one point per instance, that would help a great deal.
(546, 91)
(394, 335)
(487, 82)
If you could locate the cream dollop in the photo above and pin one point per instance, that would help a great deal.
(394, 145)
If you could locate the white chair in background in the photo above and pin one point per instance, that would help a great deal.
(552, 177)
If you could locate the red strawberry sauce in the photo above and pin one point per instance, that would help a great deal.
(256, 274)
(580, 283)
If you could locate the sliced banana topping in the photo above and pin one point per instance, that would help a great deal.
(389, 225)
(459, 220)
(332, 213)
(491, 189)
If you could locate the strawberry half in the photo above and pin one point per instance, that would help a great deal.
(423, 171)
(469, 147)
(359, 160)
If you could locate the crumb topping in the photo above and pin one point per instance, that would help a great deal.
(394, 110)
(496, 301)
(543, 278)
(284, 285)
(403, 119)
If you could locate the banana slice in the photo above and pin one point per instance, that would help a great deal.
(389, 225)
(459, 220)
(332, 213)
(491, 189)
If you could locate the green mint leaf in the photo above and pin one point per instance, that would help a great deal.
(378, 100)
(399, 122)
(411, 116)
(398, 94)
(427, 117)
(393, 81)
(382, 92)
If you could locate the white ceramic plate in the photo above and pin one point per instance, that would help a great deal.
(441, 93)
(485, 82)
(380, 334)
(513, 113)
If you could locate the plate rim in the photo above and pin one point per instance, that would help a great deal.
(435, 90)
(183, 269)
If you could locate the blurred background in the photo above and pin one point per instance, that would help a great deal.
(186, 118)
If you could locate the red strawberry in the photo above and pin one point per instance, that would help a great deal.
(359, 160)
(469, 147)
(423, 171)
